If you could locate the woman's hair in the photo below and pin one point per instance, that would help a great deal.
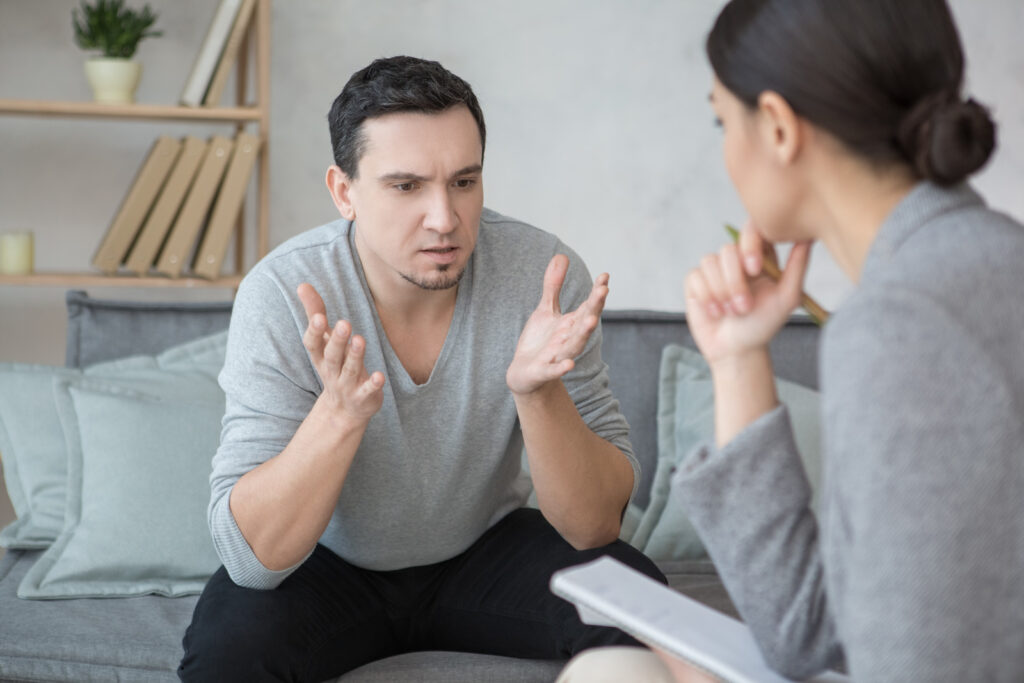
(882, 76)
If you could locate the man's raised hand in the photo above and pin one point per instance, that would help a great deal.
(338, 358)
(551, 340)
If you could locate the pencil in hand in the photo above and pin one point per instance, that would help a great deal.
(771, 269)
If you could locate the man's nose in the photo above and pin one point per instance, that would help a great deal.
(440, 215)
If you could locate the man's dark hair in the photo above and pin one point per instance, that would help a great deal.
(882, 76)
(393, 84)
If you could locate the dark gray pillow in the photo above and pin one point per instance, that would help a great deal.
(101, 330)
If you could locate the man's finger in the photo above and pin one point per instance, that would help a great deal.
(315, 338)
(554, 276)
(311, 301)
(353, 368)
(336, 350)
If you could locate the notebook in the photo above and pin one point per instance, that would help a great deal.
(608, 593)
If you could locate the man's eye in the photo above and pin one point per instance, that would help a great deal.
(465, 183)
(405, 187)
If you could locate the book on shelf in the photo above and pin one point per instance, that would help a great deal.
(209, 53)
(189, 221)
(230, 54)
(606, 592)
(136, 205)
(154, 230)
(224, 217)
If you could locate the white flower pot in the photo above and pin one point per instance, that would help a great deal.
(113, 80)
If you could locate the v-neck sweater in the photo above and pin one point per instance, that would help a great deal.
(441, 461)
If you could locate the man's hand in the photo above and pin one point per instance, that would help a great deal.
(348, 388)
(551, 340)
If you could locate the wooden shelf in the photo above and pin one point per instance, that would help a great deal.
(240, 115)
(139, 112)
(54, 279)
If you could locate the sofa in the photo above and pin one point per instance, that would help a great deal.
(139, 638)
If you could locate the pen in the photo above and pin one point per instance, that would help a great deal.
(813, 308)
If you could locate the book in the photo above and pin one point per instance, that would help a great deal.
(230, 54)
(189, 221)
(136, 205)
(606, 592)
(223, 218)
(209, 53)
(167, 205)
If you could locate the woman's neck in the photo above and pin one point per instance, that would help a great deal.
(853, 200)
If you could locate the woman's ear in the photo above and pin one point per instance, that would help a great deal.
(340, 187)
(779, 127)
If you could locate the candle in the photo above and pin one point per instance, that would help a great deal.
(16, 253)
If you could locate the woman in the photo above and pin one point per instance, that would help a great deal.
(844, 123)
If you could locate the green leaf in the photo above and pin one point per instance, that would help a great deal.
(109, 26)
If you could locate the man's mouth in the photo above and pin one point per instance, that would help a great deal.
(441, 254)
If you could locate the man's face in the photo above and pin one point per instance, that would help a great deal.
(418, 197)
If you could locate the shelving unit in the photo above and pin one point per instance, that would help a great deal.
(241, 115)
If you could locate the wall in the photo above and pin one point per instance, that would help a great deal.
(598, 129)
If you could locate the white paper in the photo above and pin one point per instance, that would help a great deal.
(607, 592)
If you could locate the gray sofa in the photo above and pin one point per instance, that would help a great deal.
(139, 638)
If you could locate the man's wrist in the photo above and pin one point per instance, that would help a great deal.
(539, 394)
(334, 419)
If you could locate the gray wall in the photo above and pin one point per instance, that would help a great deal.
(599, 129)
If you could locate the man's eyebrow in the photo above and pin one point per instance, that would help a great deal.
(468, 170)
(402, 176)
(409, 177)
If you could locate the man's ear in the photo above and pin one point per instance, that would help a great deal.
(340, 187)
(779, 127)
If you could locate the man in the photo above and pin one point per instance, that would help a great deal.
(368, 485)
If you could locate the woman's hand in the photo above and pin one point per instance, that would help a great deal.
(732, 308)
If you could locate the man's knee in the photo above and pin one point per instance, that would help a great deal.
(233, 636)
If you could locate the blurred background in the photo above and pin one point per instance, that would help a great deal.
(599, 130)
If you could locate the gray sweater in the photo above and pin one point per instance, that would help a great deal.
(916, 570)
(440, 462)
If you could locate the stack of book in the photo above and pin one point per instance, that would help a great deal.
(218, 53)
(181, 210)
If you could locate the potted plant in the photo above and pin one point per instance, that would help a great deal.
(109, 26)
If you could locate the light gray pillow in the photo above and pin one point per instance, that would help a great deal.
(686, 420)
(139, 460)
(33, 453)
(32, 444)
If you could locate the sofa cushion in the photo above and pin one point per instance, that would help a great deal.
(631, 346)
(104, 329)
(34, 455)
(685, 420)
(32, 440)
(138, 472)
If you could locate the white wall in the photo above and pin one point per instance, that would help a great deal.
(598, 129)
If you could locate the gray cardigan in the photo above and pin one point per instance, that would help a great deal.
(916, 570)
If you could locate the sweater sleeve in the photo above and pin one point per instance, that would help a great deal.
(587, 382)
(750, 503)
(924, 430)
(270, 387)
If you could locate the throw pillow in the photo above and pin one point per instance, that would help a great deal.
(32, 444)
(139, 459)
(33, 453)
(686, 420)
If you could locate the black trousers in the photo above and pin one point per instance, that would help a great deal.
(329, 616)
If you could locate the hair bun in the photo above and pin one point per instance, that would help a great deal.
(947, 139)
